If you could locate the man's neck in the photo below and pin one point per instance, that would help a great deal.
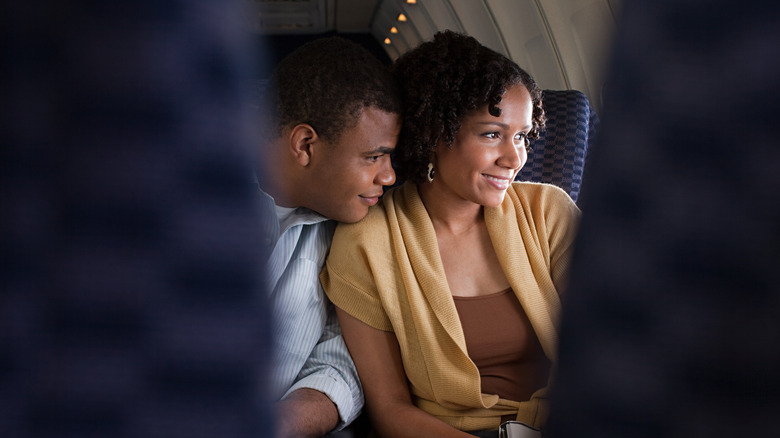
(278, 194)
(278, 183)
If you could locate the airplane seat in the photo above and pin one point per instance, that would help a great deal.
(558, 155)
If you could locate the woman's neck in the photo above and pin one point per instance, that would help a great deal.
(449, 213)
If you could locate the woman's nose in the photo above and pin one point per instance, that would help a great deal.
(513, 156)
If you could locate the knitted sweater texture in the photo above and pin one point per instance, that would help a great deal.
(386, 270)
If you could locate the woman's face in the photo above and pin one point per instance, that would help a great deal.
(487, 151)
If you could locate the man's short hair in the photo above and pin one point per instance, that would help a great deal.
(327, 83)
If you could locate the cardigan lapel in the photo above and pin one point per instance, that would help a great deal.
(452, 374)
(421, 263)
(444, 345)
(517, 243)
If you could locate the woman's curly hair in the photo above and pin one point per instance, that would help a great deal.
(441, 82)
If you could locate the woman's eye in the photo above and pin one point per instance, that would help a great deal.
(491, 134)
(523, 140)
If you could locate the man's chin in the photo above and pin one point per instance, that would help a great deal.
(350, 217)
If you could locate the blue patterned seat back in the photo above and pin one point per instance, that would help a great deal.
(558, 155)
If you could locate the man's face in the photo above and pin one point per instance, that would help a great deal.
(348, 174)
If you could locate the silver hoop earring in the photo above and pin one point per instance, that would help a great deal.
(430, 172)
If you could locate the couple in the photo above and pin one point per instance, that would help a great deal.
(447, 291)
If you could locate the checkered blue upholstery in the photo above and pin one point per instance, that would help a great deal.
(670, 325)
(132, 302)
(558, 155)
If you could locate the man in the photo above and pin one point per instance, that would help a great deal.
(333, 121)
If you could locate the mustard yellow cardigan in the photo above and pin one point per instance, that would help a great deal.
(386, 271)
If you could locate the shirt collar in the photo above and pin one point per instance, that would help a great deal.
(299, 216)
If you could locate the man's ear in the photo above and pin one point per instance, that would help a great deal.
(301, 138)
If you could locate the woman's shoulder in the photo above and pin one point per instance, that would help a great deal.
(376, 218)
(355, 244)
(544, 192)
(370, 231)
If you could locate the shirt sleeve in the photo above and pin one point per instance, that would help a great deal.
(311, 352)
(329, 369)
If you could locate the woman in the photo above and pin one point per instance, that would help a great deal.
(448, 291)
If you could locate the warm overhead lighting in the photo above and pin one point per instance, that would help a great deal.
(387, 40)
(411, 2)
(401, 17)
(393, 29)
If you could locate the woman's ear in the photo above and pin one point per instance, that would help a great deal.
(432, 157)
(301, 138)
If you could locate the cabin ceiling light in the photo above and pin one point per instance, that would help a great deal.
(387, 40)
(411, 2)
(393, 29)
(401, 17)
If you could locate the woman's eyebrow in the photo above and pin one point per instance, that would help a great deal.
(500, 125)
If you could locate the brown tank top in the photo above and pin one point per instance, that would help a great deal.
(503, 345)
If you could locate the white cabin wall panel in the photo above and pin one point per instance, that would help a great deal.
(441, 14)
(525, 35)
(400, 45)
(477, 21)
(593, 29)
(564, 44)
(542, 64)
(392, 52)
(419, 20)
(615, 6)
(409, 34)
(581, 30)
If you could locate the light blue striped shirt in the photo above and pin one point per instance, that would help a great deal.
(310, 352)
